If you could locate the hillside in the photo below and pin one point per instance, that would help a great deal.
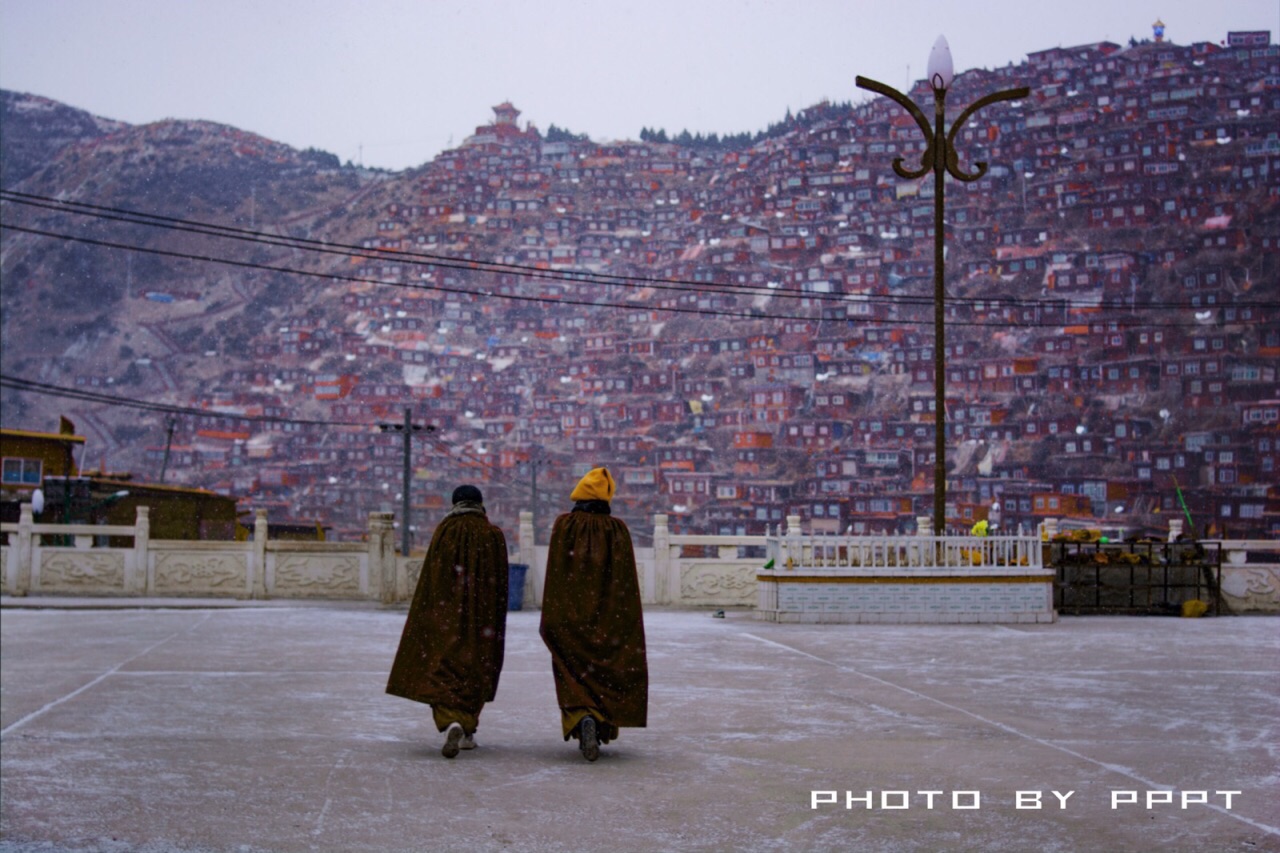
(34, 129)
(740, 332)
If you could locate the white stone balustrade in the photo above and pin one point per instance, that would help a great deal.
(678, 570)
(905, 579)
(259, 568)
(1250, 574)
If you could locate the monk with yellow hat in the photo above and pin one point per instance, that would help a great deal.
(592, 621)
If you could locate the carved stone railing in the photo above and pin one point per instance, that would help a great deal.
(697, 570)
(678, 570)
(1250, 575)
(76, 559)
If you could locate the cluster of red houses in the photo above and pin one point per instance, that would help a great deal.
(752, 335)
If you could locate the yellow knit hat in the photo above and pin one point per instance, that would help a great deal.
(596, 485)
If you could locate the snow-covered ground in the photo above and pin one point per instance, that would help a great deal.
(265, 728)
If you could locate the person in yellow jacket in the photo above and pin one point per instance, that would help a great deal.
(592, 621)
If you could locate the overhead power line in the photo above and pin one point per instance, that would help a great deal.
(44, 388)
(82, 395)
(1064, 305)
(416, 257)
(190, 256)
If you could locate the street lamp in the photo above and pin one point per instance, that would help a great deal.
(939, 157)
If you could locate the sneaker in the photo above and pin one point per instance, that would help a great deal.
(468, 742)
(587, 739)
(452, 740)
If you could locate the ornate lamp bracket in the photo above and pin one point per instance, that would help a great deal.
(927, 158)
(980, 167)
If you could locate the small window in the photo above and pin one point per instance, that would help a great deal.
(22, 471)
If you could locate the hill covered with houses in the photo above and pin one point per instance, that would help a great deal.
(740, 329)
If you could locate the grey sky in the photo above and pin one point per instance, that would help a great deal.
(397, 81)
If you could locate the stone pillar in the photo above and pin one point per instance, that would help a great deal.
(144, 581)
(21, 553)
(793, 550)
(1175, 529)
(930, 553)
(261, 589)
(527, 553)
(1049, 529)
(658, 586)
(382, 556)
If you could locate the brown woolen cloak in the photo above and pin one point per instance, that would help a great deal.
(592, 621)
(452, 647)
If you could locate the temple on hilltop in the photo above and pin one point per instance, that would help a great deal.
(505, 115)
(504, 130)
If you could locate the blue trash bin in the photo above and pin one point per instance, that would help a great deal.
(515, 585)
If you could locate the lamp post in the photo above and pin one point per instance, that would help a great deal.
(939, 157)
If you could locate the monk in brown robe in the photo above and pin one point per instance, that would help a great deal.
(591, 619)
(450, 653)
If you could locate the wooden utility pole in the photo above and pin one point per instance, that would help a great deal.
(533, 498)
(168, 442)
(408, 428)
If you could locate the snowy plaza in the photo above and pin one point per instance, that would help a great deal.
(199, 725)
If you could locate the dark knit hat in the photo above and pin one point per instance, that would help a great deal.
(467, 493)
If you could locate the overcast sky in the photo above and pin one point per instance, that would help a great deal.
(391, 83)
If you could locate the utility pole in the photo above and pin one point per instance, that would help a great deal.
(168, 442)
(533, 467)
(408, 428)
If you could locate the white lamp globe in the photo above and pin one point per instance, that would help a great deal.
(940, 71)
